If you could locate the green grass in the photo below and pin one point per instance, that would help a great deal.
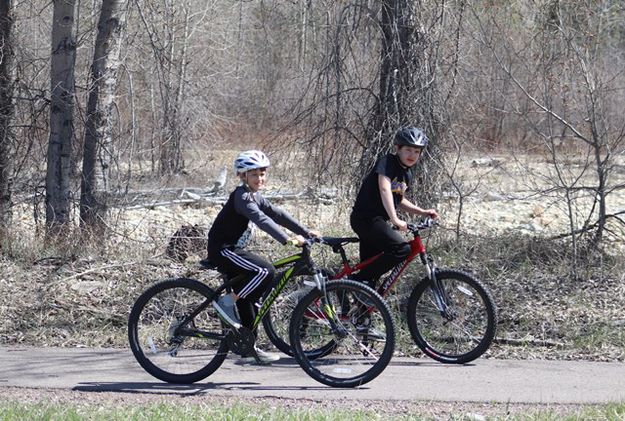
(155, 412)
(602, 412)
(242, 411)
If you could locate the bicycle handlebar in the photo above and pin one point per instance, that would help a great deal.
(307, 242)
(423, 224)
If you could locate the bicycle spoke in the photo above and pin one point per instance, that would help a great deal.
(162, 345)
(363, 339)
(464, 330)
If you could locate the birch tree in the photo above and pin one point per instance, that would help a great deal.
(98, 140)
(58, 195)
(6, 109)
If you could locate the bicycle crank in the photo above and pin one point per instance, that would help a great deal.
(241, 341)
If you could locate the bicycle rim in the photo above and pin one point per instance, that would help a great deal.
(332, 316)
(154, 332)
(467, 327)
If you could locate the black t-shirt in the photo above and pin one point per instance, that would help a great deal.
(368, 202)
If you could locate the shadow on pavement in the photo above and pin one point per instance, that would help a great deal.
(182, 389)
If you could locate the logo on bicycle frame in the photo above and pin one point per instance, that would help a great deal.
(271, 297)
(391, 278)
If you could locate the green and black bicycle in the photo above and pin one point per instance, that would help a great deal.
(177, 336)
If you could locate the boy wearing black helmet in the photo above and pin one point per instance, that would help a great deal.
(381, 195)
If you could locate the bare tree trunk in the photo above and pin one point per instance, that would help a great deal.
(98, 127)
(6, 110)
(399, 66)
(169, 50)
(172, 161)
(62, 78)
(405, 87)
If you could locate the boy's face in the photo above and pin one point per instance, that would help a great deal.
(255, 179)
(408, 155)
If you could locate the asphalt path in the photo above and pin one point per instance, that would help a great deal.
(407, 379)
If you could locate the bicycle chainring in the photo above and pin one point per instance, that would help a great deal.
(241, 341)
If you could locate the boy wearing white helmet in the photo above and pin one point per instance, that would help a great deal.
(381, 195)
(245, 209)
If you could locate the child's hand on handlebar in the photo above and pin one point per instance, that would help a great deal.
(298, 241)
(314, 234)
(430, 213)
(400, 225)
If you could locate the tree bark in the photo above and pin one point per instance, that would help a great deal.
(402, 78)
(58, 196)
(171, 159)
(98, 141)
(406, 90)
(6, 110)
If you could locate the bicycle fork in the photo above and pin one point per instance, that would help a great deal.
(326, 306)
(438, 290)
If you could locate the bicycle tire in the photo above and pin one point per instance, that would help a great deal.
(358, 356)
(470, 328)
(151, 332)
(277, 320)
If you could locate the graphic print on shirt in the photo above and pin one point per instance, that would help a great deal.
(398, 187)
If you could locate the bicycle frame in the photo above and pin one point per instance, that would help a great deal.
(417, 248)
(299, 264)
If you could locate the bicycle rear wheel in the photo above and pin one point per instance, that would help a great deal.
(464, 330)
(276, 321)
(159, 342)
(362, 336)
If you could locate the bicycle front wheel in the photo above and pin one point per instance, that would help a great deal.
(163, 346)
(463, 329)
(356, 321)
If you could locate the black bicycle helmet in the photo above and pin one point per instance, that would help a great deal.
(411, 136)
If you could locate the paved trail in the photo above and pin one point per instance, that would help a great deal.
(485, 380)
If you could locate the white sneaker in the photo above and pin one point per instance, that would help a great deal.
(227, 311)
(263, 356)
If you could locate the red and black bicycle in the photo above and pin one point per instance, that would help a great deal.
(451, 315)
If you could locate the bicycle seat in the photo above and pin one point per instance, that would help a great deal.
(339, 241)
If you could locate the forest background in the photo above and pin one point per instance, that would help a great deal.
(119, 120)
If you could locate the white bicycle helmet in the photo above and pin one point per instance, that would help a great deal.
(250, 160)
(411, 136)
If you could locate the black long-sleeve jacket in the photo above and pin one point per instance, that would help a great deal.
(244, 206)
